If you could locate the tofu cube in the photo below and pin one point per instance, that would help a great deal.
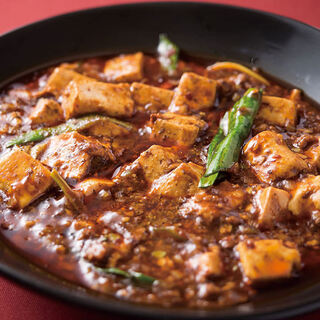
(107, 128)
(207, 265)
(313, 155)
(60, 78)
(93, 186)
(125, 68)
(145, 95)
(305, 196)
(176, 129)
(23, 179)
(265, 260)
(270, 158)
(206, 207)
(278, 111)
(74, 156)
(272, 203)
(47, 112)
(193, 93)
(88, 96)
(154, 162)
(180, 182)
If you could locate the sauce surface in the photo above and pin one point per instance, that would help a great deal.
(142, 209)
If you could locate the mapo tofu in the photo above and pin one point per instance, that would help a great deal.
(162, 179)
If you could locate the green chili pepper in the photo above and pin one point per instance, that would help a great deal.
(142, 278)
(70, 195)
(226, 153)
(209, 181)
(224, 123)
(116, 271)
(135, 276)
(234, 128)
(70, 125)
(168, 54)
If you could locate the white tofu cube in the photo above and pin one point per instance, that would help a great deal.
(207, 265)
(180, 182)
(47, 112)
(270, 158)
(88, 96)
(125, 68)
(74, 156)
(145, 95)
(272, 203)
(154, 162)
(60, 78)
(193, 93)
(176, 129)
(265, 260)
(22, 179)
(305, 196)
(278, 111)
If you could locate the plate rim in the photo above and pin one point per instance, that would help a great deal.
(64, 294)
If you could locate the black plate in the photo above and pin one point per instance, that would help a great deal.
(285, 48)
